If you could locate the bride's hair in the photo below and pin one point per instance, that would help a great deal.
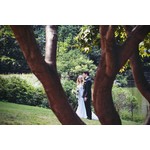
(80, 81)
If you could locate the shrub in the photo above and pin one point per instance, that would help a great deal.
(26, 89)
(69, 88)
(17, 90)
(127, 116)
(3, 90)
(123, 99)
(126, 104)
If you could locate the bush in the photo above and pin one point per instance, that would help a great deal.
(26, 89)
(125, 115)
(126, 104)
(123, 99)
(17, 90)
(69, 88)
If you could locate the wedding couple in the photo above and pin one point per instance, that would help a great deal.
(84, 84)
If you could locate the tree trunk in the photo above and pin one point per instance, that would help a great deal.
(46, 74)
(105, 75)
(103, 102)
(113, 57)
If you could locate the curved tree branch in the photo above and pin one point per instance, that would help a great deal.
(47, 75)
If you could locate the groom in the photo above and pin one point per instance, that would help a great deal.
(87, 94)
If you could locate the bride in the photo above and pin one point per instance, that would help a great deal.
(81, 110)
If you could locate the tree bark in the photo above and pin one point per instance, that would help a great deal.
(113, 57)
(105, 75)
(46, 73)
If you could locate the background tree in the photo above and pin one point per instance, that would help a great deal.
(11, 57)
(73, 63)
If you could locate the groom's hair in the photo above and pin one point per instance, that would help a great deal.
(86, 72)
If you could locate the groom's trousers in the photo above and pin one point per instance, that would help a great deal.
(88, 108)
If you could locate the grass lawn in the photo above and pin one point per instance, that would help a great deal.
(16, 114)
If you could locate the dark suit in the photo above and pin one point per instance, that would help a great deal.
(87, 94)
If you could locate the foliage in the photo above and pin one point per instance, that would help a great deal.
(88, 37)
(11, 57)
(144, 47)
(66, 34)
(126, 115)
(120, 35)
(17, 90)
(69, 87)
(121, 80)
(95, 55)
(39, 31)
(65, 31)
(26, 89)
(8, 65)
(73, 63)
(124, 100)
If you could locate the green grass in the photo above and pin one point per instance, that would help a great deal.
(16, 114)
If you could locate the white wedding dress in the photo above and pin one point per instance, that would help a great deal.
(81, 110)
